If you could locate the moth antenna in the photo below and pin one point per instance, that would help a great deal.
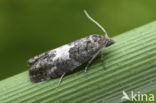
(90, 18)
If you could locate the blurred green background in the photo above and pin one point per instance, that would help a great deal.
(30, 27)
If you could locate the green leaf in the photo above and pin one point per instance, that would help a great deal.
(130, 65)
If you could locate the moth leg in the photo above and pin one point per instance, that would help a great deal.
(94, 56)
(61, 78)
(102, 59)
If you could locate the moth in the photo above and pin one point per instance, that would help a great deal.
(57, 62)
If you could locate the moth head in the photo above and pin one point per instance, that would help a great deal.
(109, 41)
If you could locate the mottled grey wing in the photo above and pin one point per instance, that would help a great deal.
(42, 66)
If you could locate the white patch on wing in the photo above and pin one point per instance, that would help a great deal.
(91, 38)
(62, 52)
(52, 70)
